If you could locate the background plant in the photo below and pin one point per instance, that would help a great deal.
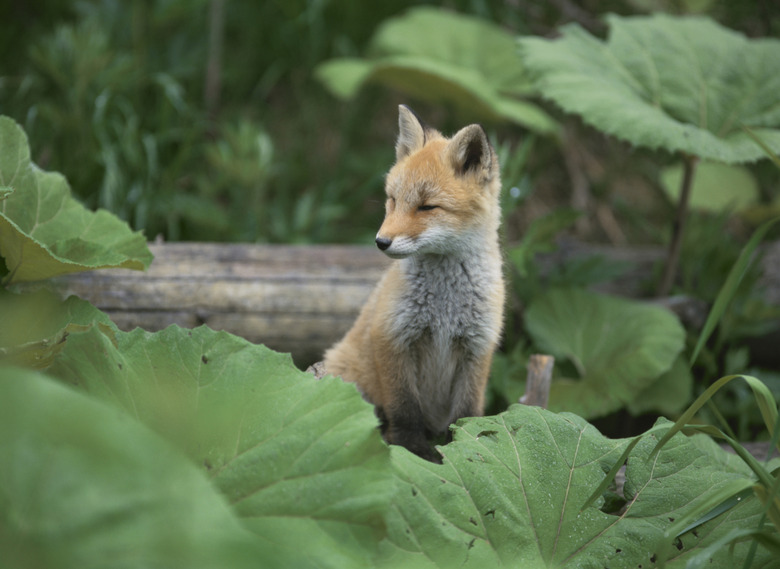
(446, 58)
(657, 82)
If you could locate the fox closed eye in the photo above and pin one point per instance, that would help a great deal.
(426, 207)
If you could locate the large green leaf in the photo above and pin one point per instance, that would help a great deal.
(45, 232)
(669, 394)
(512, 488)
(300, 460)
(679, 84)
(439, 56)
(82, 486)
(617, 347)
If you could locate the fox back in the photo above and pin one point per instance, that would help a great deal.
(422, 345)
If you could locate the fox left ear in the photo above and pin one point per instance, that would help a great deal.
(411, 133)
(470, 152)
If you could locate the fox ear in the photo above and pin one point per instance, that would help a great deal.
(411, 133)
(470, 152)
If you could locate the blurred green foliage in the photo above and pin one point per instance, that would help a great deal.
(121, 98)
(113, 95)
(118, 96)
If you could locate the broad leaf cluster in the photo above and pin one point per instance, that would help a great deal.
(267, 462)
(435, 55)
(679, 84)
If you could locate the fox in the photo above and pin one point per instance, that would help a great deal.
(421, 347)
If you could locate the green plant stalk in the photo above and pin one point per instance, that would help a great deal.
(771, 500)
(678, 229)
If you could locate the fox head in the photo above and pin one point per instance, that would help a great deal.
(442, 194)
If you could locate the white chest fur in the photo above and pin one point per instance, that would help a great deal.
(446, 319)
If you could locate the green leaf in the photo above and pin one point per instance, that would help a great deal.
(45, 232)
(768, 151)
(37, 325)
(511, 491)
(440, 56)
(667, 395)
(618, 347)
(82, 486)
(683, 84)
(300, 460)
(716, 187)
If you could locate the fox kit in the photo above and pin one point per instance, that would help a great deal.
(421, 348)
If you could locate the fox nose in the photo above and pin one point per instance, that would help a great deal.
(383, 243)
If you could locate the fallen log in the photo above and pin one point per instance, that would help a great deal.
(297, 299)
(292, 299)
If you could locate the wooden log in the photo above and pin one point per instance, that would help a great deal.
(292, 299)
(297, 299)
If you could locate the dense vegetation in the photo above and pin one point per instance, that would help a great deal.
(118, 96)
(195, 448)
(274, 122)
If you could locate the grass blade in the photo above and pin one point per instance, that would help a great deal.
(686, 417)
(729, 288)
(601, 488)
(764, 398)
(763, 475)
(704, 557)
(771, 502)
(724, 500)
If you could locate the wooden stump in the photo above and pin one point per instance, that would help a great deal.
(538, 380)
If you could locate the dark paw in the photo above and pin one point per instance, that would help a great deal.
(424, 450)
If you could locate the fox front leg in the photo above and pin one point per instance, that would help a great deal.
(406, 426)
(469, 393)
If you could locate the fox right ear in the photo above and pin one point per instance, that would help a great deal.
(411, 133)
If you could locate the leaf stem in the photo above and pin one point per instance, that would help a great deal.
(678, 229)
